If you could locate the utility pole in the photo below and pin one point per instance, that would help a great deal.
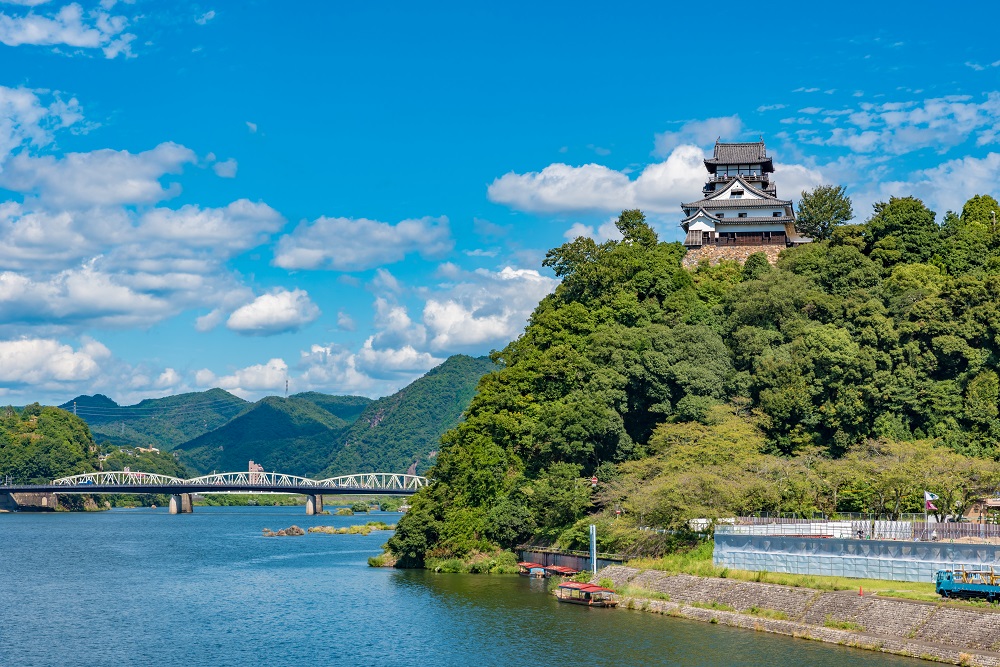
(286, 388)
(74, 402)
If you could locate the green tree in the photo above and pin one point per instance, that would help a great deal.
(756, 266)
(822, 209)
(902, 230)
(982, 209)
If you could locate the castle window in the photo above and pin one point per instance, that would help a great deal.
(742, 215)
(776, 214)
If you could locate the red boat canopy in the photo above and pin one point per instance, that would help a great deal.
(586, 588)
(531, 566)
(561, 569)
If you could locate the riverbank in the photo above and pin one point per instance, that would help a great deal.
(941, 632)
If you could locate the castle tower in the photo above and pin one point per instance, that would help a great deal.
(739, 204)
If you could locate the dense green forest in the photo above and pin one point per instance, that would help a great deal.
(291, 435)
(39, 444)
(319, 435)
(163, 423)
(851, 375)
(403, 431)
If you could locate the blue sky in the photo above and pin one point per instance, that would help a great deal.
(342, 195)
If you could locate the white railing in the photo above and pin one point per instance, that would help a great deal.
(251, 479)
(376, 480)
(119, 477)
(368, 481)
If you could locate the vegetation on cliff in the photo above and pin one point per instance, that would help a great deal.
(403, 431)
(39, 444)
(848, 376)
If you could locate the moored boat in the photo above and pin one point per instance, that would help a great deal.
(560, 571)
(591, 595)
(527, 569)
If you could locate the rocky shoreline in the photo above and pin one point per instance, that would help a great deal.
(939, 632)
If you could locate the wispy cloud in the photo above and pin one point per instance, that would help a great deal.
(698, 132)
(346, 244)
(69, 26)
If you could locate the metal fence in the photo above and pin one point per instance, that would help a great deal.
(864, 559)
(867, 528)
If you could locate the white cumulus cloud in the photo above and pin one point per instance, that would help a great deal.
(248, 381)
(346, 244)
(484, 308)
(277, 312)
(561, 188)
(97, 178)
(44, 362)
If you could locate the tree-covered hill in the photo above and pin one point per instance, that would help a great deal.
(163, 423)
(348, 408)
(873, 346)
(39, 444)
(319, 435)
(403, 431)
(291, 435)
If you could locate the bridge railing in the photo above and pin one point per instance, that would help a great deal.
(376, 480)
(369, 481)
(252, 479)
(119, 477)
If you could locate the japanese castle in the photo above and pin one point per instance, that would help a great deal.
(740, 204)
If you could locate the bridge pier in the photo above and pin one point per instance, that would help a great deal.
(314, 504)
(180, 503)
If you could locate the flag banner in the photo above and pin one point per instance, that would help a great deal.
(930, 506)
(928, 496)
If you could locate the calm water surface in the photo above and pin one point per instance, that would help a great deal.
(141, 587)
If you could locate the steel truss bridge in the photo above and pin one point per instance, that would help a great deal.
(180, 490)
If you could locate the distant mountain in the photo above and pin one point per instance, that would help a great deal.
(310, 434)
(162, 422)
(348, 408)
(292, 435)
(403, 431)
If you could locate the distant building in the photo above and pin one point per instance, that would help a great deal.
(254, 469)
(739, 204)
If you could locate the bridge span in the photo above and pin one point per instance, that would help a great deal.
(181, 490)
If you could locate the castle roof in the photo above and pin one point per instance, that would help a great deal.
(739, 153)
(717, 200)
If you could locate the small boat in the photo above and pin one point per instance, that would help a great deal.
(591, 595)
(560, 571)
(527, 569)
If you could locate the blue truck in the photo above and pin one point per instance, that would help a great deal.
(962, 583)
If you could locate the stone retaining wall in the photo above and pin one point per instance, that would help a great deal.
(934, 631)
(28, 502)
(715, 254)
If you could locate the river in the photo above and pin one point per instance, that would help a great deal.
(142, 587)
